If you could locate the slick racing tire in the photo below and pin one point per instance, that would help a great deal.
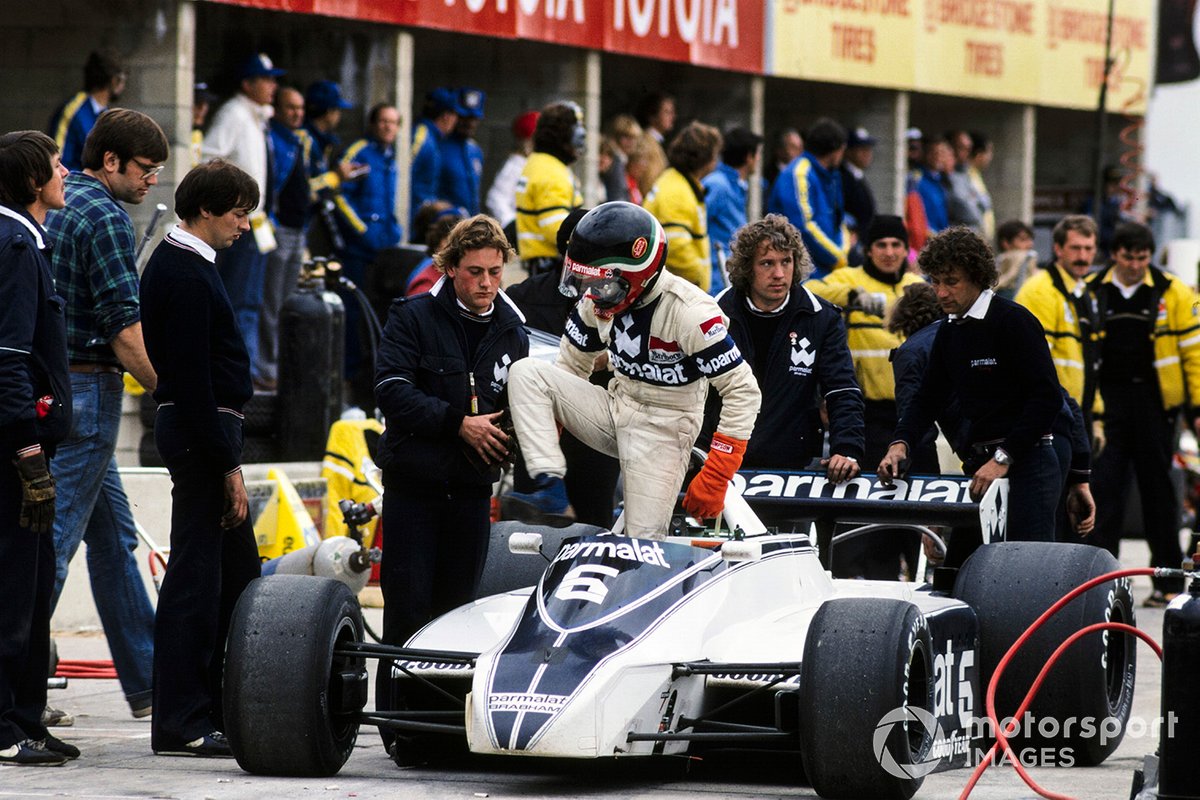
(291, 704)
(1083, 707)
(866, 660)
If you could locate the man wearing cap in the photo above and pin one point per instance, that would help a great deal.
(859, 199)
(725, 191)
(462, 157)
(323, 107)
(438, 118)
(238, 134)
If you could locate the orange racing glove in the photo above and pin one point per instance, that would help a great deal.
(706, 494)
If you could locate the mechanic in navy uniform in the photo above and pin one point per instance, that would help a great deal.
(438, 117)
(203, 368)
(443, 367)
(462, 157)
(795, 343)
(35, 414)
(993, 355)
(667, 341)
(367, 212)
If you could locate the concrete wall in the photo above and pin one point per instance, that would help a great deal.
(46, 44)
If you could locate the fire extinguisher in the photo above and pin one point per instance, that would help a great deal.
(1179, 731)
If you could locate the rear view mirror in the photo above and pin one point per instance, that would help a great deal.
(528, 544)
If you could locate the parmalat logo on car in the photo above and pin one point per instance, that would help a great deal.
(801, 486)
(628, 550)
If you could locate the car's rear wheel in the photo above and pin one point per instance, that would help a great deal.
(1081, 711)
(866, 699)
(291, 704)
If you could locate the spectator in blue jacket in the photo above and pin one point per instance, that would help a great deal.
(103, 82)
(367, 207)
(809, 193)
(438, 118)
(725, 196)
(932, 187)
(462, 157)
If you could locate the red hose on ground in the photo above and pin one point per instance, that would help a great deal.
(1002, 733)
(82, 668)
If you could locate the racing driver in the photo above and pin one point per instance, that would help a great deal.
(666, 341)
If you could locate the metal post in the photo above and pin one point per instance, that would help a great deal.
(1098, 167)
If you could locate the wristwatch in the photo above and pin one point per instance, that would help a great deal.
(1001, 457)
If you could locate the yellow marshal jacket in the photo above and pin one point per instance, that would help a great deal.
(546, 192)
(678, 203)
(1060, 321)
(871, 343)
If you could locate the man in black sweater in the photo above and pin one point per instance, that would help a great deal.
(993, 355)
(203, 370)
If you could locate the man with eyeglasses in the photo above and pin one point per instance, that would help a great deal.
(93, 259)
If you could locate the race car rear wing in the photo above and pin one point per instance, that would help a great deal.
(917, 500)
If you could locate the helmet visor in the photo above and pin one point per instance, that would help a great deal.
(605, 287)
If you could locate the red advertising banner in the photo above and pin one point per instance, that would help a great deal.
(725, 34)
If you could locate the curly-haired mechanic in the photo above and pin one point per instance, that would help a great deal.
(992, 354)
(795, 342)
(667, 341)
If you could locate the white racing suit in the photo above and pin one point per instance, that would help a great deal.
(665, 351)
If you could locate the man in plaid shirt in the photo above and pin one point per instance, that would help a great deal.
(93, 260)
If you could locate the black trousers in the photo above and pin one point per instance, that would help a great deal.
(435, 539)
(206, 573)
(26, 583)
(1141, 439)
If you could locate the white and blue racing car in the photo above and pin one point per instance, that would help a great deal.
(624, 647)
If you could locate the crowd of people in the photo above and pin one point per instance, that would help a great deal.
(838, 335)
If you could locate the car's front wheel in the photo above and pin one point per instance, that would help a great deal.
(866, 699)
(291, 701)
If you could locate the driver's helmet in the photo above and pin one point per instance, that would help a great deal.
(613, 257)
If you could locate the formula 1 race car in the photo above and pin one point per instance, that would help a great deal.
(636, 647)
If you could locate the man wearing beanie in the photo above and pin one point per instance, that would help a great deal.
(866, 294)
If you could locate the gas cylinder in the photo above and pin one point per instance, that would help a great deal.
(1179, 731)
(311, 344)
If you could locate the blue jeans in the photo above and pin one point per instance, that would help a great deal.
(243, 267)
(92, 507)
(1035, 483)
